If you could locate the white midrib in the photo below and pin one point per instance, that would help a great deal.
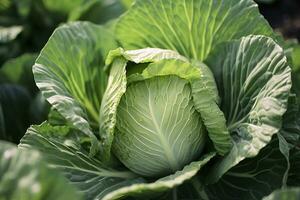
(165, 144)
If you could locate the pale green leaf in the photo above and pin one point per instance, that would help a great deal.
(24, 175)
(191, 27)
(69, 72)
(146, 55)
(163, 184)
(116, 87)
(60, 146)
(204, 90)
(205, 96)
(158, 130)
(254, 82)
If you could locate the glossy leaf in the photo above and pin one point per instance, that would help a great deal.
(254, 82)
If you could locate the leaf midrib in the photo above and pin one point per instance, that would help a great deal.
(165, 145)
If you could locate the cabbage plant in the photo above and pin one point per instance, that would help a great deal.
(175, 100)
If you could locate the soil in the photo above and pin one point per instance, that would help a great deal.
(284, 16)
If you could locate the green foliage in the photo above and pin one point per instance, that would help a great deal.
(196, 103)
(24, 175)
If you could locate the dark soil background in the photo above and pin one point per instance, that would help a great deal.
(284, 16)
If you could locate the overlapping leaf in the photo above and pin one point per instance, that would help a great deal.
(254, 82)
(60, 146)
(191, 27)
(24, 175)
(166, 62)
(252, 178)
(69, 72)
(163, 184)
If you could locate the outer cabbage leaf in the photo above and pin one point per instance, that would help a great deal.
(61, 147)
(24, 175)
(163, 184)
(69, 72)
(254, 82)
(252, 178)
(256, 177)
(116, 87)
(191, 27)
